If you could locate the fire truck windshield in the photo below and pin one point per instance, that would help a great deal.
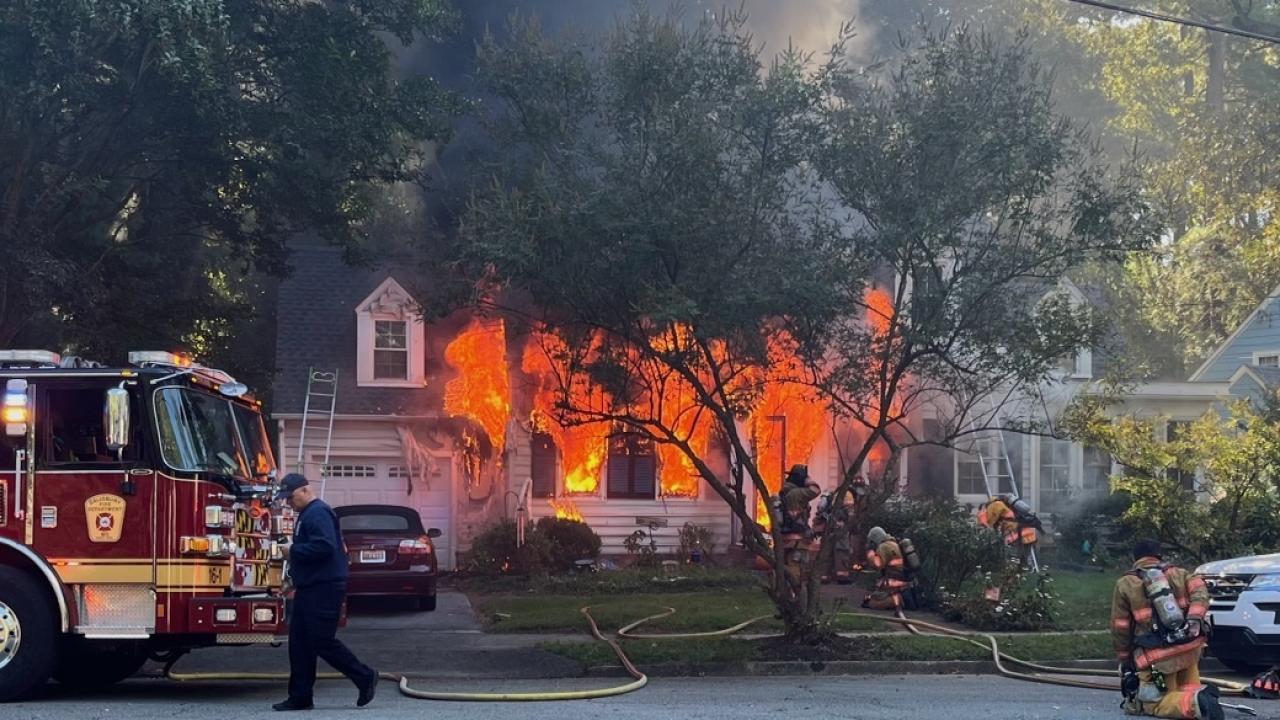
(253, 438)
(197, 434)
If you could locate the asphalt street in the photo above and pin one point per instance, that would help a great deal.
(446, 651)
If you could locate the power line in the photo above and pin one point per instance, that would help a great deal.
(1226, 30)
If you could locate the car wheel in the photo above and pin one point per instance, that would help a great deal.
(88, 665)
(28, 636)
(427, 603)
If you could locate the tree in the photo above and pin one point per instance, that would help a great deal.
(1230, 457)
(155, 156)
(694, 235)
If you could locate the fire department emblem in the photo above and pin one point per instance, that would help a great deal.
(105, 517)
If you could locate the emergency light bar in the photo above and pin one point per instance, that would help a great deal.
(16, 410)
(159, 357)
(30, 358)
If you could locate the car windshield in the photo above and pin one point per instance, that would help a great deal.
(197, 433)
(374, 522)
(253, 438)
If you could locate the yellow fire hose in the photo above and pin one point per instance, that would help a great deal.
(403, 682)
(626, 632)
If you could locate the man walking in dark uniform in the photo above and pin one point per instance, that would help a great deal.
(318, 567)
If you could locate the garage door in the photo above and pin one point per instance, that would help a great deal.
(356, 481)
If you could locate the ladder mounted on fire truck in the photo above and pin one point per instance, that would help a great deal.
(316, 432)
(993, 457)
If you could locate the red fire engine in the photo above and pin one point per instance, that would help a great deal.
(135, 517)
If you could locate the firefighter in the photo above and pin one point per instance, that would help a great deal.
(885, 556)
(1159, 633)
(318, 566)
(1012, 518)
(834, 523)
(798, 491)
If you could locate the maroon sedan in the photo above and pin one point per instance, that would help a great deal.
(391, 555)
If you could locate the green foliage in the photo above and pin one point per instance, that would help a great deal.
(158, 154)
(696, 537)
(642, 548)
(570, 541)
(952, 546)
(494, 552)
(1230, 456)
(1096, 524)
(1027, 601)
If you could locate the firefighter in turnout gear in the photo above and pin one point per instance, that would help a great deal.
(1158, 629)
(884, 555)
(1013, 519)
(833, 524)
(798, 491)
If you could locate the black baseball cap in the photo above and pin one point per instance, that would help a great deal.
(291, 482)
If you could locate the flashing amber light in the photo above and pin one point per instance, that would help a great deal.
(15, 415)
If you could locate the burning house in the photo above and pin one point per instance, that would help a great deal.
(455, 416)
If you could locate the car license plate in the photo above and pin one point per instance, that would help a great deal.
(373, 556)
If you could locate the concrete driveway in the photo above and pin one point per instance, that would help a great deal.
(446, 643)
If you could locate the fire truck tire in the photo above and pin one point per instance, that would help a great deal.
(87, 665)
(28, 635)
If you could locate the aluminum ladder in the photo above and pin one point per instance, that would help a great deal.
(991, 463)
(316, 433)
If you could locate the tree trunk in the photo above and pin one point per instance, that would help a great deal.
(1215, 88)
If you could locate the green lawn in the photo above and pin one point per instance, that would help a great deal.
(695, 612)
(1086, 598)
(898, 647)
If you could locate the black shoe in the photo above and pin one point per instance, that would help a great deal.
(291, 704)
(367, 692)
(1210, 708)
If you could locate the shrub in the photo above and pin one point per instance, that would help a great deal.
(951, 544)
(570, 541)
(1026, 602)
(642, 548)
(696, 537)
(494, 551)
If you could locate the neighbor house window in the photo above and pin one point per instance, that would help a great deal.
(1268, 361)
(971, 479)
(1097, 471)
(632, 467)
(390, 350)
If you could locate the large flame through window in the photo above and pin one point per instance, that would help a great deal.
(583, 448)
(481, 391)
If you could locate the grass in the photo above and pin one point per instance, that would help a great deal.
(1086, 599)
(897, 647)
(629, 580)
(695, 612)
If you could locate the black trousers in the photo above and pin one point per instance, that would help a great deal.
(313, 631)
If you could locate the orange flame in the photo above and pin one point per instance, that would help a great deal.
(566, 510)
(583, 448)
(678, 409)
(482, 390)
(788, 420)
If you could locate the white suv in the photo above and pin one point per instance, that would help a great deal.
(1244, 609)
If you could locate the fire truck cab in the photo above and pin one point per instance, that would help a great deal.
(135, 517)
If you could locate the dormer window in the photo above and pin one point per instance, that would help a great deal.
(1267, 359)
(390, 339)
(390, 350)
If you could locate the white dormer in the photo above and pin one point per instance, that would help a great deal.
(390, 339)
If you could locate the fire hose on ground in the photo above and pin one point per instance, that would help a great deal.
(1041, 672)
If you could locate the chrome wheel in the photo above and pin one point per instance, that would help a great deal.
(10, 634)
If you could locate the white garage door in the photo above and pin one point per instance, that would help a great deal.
(369, 481)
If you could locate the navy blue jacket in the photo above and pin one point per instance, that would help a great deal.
(317, 555)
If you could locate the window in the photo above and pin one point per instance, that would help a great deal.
(349, 471)
(197, 433)
(376, 522)
(398, 471)
(970, 477)
(543, 461)
(632, 467)
(390, 350)
(390, 339)
(69, 428)
(253, 437)
(1267, 361)
(1097, 471)
(1055, 474)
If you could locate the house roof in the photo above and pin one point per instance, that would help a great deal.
(1222, 347)
(1266, 377)
(317, 328)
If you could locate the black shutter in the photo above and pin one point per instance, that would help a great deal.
(632, 468)
(543, 460)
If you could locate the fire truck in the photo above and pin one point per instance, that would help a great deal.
(135, 517)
